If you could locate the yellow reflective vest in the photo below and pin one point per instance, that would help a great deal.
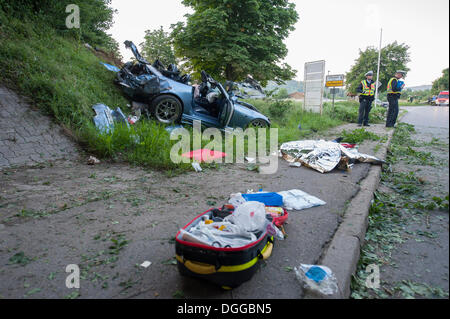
(389, 87)
(366, 89)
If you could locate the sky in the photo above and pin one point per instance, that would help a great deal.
(328, 30)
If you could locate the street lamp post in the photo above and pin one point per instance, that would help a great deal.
(378, 71)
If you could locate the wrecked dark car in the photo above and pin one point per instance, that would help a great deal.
(171, 99)
(250, 89)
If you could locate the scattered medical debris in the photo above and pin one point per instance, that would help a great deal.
(324, 156)
(250, 159)
(197, 167)
(93, 160)
(296, 199)
(136, 111)
(204, 155)
(317, 279)
(268, 199)
(105, 117)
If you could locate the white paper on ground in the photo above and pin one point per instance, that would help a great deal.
(197, 167)
(146, 264)
(296, 199)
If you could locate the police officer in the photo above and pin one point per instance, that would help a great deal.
(366, 90)
(394, 91)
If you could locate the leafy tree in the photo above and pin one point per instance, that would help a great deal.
(96, 17)
(394, 57)
(231, 39)
(158, 45)
(441, 84)
(282, 93)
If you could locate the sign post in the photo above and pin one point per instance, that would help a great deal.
(334, 81)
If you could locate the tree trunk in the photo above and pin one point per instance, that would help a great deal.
(229, 72)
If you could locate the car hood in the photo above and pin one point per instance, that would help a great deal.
(250, 111)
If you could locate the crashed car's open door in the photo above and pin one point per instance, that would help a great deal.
(226, 113)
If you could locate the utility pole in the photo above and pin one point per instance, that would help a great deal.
(378, 71)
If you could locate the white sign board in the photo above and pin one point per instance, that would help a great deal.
(314, 75)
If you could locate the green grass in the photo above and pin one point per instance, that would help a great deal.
(293, 114)
(415, 103)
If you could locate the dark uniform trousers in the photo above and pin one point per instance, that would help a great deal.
(393, 110)
(365, 106)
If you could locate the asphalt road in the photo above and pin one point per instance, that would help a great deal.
(423, 259)
(427, 117)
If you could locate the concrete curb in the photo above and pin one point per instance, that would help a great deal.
(343, 252)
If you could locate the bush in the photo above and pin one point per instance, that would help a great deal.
(279, 109)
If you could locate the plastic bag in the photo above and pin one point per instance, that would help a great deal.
(250, 216)
(273, 230)
(236, 200)
(296, 199)
(218, 234)
(318, 279)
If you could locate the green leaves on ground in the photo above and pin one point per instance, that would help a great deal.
(178, 294)
(360, 135)
(20, 258)
(403, 148)
(119, 243)
(410, 290)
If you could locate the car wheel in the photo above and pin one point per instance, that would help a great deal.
(259, 123)
(167, 109)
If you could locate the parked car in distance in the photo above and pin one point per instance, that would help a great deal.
(171, 101)
(381, 103)
(442, 99)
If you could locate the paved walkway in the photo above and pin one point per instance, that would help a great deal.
(28, 137)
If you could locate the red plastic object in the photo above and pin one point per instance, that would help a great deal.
(349, 145)
(204, 155)
(280, 220)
